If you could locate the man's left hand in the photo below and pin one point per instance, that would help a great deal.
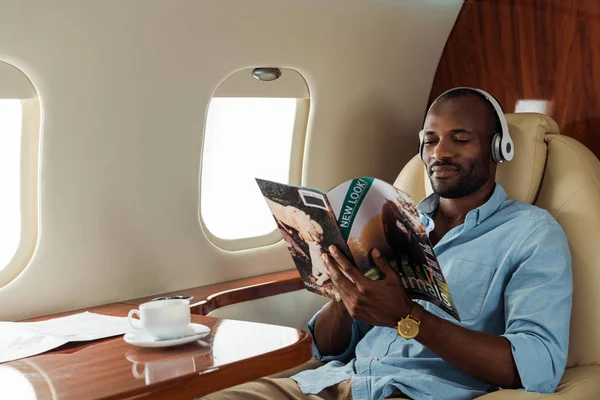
(380, 303)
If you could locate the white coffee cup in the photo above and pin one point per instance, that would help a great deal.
(162, 319)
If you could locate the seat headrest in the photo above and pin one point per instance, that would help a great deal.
(521, 177)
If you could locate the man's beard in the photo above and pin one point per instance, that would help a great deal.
(469, 181)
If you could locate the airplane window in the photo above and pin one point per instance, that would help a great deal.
(20, 115)
(10, 182)
(245, 138)
(255, 128)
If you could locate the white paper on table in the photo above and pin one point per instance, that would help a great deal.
(18, 343)
(80, 327)
(24, 339)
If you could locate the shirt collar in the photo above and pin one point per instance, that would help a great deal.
(430, 204)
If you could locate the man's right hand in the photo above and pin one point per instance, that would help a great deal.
(333, 329)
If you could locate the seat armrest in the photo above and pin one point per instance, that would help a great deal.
(271, 285)
(210, 297)
(577, 383)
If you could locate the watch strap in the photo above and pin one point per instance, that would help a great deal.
(416, 312)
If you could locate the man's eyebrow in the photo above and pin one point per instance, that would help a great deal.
(454, 131)
(462, 130)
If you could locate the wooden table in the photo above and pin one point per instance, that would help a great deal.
(234, 352)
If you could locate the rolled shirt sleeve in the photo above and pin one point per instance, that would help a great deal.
(537, 301)
(359, 330)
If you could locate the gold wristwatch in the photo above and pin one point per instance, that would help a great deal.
(408, 327)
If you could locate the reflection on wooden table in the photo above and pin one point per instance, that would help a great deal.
(155, 366)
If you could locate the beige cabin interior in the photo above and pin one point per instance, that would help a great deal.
(115, 98)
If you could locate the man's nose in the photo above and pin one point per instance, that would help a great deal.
(442, 150)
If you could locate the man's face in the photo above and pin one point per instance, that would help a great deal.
(457, 146)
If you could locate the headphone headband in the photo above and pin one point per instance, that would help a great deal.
(503, 148)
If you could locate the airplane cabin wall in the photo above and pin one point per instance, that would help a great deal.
(124, 89)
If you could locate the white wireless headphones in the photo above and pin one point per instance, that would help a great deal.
(503, 148)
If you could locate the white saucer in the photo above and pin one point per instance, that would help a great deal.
(142, 339)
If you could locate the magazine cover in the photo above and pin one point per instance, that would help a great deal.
(357, 216)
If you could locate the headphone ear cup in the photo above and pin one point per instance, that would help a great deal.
(496, 150)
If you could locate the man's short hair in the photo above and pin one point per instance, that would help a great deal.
(494, 125)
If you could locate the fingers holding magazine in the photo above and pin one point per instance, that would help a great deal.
(376, 302)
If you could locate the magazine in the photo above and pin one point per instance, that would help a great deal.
(357, 216)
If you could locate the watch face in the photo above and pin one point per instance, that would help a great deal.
(408, 328)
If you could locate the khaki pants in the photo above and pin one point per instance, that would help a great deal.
(280, 388)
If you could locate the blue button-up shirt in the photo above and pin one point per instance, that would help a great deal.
(508, 268)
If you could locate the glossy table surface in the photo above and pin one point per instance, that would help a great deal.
(234, 352)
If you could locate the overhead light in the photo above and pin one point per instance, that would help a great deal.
(266, 74)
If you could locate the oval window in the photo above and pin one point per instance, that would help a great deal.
(254, 129)
(19, 138)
